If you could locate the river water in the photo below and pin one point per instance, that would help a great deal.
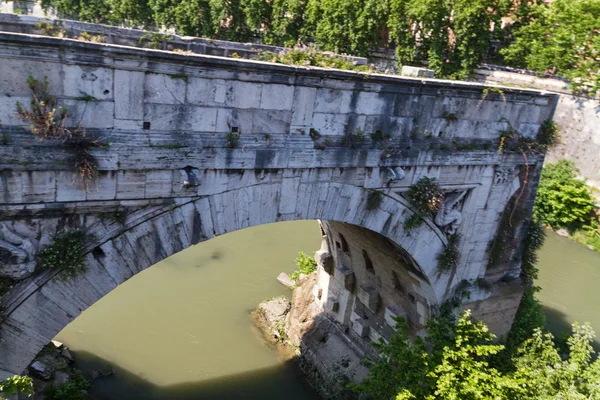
(570, 281)
(182, 330)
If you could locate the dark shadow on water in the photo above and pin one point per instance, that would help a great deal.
(280, 382)
(559, 324)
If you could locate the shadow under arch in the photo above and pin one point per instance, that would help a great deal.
(41, 306)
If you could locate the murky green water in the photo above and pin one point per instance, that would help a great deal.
(570, 282)
(182, 330)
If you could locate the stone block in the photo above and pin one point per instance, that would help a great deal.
(204, 91)
(243, 94)
(69, 186)
(14, 74)
(129, 94)
(88, 81)
(164, 89)
(369, 296)
(158, 184)
(325, 260)
(372, 103)
(417, 72)
(361, 327)
(131, 185)
(228, 119)
(264, 121)
(38, 186)
(8, 109)
(304, 102)
(330, 124)
(333, 101)
(91, 114)
(345, 276)
(277, 97)
(392, 312)
(200, 119)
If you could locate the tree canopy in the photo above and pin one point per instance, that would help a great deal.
(456, 359)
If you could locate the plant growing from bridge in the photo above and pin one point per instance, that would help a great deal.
(306, 265)
(48, 121)
(426, 197)
(66, 254)
(374, 199)
(449, 257)
(232, 139)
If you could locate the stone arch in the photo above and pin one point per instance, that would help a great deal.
(45, 305)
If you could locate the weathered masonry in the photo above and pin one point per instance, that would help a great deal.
(198, 146)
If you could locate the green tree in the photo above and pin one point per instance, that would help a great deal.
(191, 17)
(562, 37)
(16, 385)
(563, 200)
(456, 361)
(346, 26)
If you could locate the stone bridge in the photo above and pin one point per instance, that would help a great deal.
(197, 146)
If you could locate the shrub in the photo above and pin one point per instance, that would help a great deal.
(66, 253)
(73, 389)
(46, 118)
(563, 200)
(450, 256)
(311, 56)
(426, 195)
(374, 199)
(306, 265)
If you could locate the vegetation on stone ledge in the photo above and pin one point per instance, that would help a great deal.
(73, 389)
(310, 56)
(306, 265)
(48, 121)
(66, 254)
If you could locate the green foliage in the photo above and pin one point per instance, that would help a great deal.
(153, 40)
(426, 195)
(563, 200)
(548, 133)
(46, 118)
(450, 256)
(311, 56)
(534, 239)
(374, 199)
(66, 254)
(5, 139)
(69, 390)
(562, 36)
(453, 36)
(232, 140)
(16, 385)
(306, 265)
(456, 361)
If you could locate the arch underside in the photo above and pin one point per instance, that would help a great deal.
(44, 304)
